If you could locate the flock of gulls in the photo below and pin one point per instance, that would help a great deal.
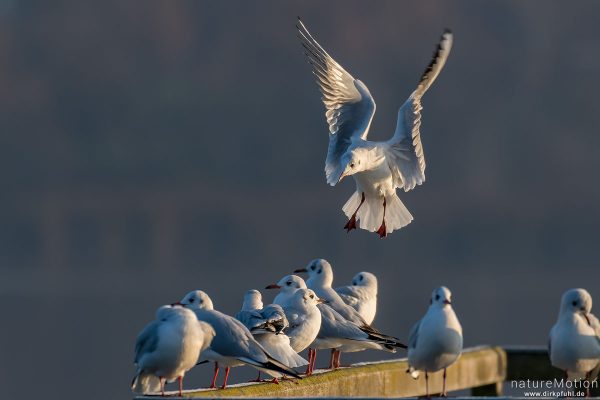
(311, 315)
(305, 315)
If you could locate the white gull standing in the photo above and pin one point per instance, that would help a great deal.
(435, 342)
(574, 344)
(335, 331)
(378, 168)
(168, 347)
(269, 325)
(320, 279)
(305, 323)
(233, 344)
(361, 295)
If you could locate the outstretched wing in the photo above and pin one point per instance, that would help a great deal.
(404, 149)
(350, 106)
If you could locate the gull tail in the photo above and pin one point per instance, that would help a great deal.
(272, 365)
(390, 342)
(370, 213)
(145, 383)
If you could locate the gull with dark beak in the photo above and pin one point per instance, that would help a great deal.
(436, 341)
(574, 345)
(378, 168)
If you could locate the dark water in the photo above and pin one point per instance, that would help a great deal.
(151, 149)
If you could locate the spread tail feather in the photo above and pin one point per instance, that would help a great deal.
(370, 213)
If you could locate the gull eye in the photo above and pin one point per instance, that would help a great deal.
(288, 283)
(437, 296)
(574, 302)
(313, 267)
(312, 296)
(361, 278)
(192, 300)
(351, 165)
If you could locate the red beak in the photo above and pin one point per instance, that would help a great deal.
(177, 303)
(447, 302)
(273, 286)
(300, 270)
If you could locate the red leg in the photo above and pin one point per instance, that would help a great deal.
(312, 354)
(331, 359)
(180, 379)
(226, 376)
(382, 231)
(275, 381)
(162, 386)
(214, 380)
(351, 224)
(338, 355)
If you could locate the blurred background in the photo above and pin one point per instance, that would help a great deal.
(151, 148)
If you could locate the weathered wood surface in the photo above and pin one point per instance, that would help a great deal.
(477, 367)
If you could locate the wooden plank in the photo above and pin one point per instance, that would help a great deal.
(533, 363)
(477, 367)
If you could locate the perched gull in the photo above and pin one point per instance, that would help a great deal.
(305, 323)
(335, 332)
(320, 279)
(378, 168)
(233, 344)
(574, 344)
(269, 325)
(305, 320)
(168, 347)
(436, 341)
(361, 295)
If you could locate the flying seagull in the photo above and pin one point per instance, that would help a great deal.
(378, 168)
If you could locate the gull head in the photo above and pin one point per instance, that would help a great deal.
(305, 299)
(172, 312)
(288, 284)
(163, 312)
(252, 300)
(366, 279)
(576, 301)
(197, 300)
(353, 161)
(319, 273)
(441, 297)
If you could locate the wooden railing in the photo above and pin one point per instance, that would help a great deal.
(484, 371)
